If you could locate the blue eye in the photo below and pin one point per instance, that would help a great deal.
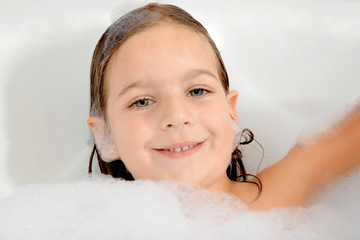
(141, 103)
(197, 92)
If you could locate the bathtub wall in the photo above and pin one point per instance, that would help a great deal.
(290, 62)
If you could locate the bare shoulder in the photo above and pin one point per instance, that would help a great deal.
(307, 167)
(281, 186)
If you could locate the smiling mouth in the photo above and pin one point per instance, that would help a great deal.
(180, 149)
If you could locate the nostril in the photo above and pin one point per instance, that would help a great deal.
(171, 125)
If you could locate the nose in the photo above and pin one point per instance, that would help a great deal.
(176, 113)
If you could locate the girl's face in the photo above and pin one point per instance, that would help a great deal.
(168, 113)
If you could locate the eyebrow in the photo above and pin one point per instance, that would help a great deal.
(137, 84)
(196, 72)
(141, 83)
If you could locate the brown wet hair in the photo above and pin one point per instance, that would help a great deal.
(116, 34)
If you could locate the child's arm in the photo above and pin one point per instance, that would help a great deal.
(310, 165)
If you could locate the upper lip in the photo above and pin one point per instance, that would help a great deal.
(179, 145)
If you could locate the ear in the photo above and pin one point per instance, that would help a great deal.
(103, 139)
(232, 102)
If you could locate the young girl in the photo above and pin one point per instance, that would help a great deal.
(161, 110)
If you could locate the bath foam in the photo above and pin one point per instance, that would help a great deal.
(105, 208)
(327, 122)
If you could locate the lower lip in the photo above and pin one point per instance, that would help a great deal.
(181, 154)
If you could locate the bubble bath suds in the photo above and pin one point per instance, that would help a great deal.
(104, 208)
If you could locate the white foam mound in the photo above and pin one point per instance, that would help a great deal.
(104, 208)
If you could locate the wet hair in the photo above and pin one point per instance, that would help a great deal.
(116, 34)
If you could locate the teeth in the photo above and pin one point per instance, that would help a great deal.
(180, 149)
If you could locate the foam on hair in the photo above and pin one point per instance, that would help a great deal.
(237, 129)
(129, 23)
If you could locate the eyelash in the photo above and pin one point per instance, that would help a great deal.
(133, 104)
(199, 88)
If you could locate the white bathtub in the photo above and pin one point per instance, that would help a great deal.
(291, 61)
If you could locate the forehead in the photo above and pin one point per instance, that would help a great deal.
(159, 47)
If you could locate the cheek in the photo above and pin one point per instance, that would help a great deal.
(218, 121)
(130, 135)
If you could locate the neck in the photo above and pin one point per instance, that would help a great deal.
(223, 185)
